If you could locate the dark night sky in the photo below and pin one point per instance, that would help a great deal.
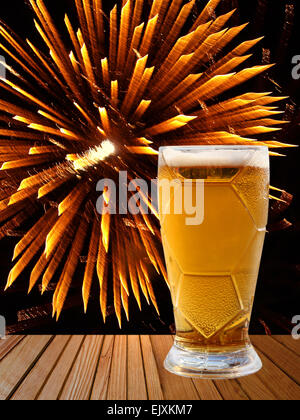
(278, 292)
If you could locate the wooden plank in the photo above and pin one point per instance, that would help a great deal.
(289, 342)
(136, 377)
(278, 382)
(56, 380)
(207, 390)
(117, 386)
(231, 390)
(256, 389)
(120, 368)
(15, 366)
(174, 387)
(81, 378)
(35, 379)
(8, 344)
(100, 387)
(282, 357)
(151, 371)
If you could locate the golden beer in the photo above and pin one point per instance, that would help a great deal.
(213, 262)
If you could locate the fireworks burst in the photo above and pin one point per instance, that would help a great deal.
(123, 85)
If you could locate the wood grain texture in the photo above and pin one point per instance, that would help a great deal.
(207, 390)
(15, 366)
(80, 381)
(272, 376)
(55, 382)
(288, 342)
(131, 368)
(282, 357)
(117, 386)
(256, 389)
(8, 344)
(231, 390)
(32, 384)
(151, 370)
(100, 387)
(174, 387)
(136, 377)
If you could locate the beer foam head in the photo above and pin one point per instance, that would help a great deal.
(220, 157)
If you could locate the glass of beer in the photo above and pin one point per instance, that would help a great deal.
(213, 203)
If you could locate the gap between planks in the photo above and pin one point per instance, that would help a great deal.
(19, 362)
(284, 358)
(8, 344)
(289, 342)
(130, 368)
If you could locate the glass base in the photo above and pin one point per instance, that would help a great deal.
(193, 364)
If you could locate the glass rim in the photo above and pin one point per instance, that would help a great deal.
(215, 146)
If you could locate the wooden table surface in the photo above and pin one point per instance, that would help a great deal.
(131, 368)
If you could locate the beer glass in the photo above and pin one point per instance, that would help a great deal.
(213, 203)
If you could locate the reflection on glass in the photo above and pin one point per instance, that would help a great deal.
(213, 265)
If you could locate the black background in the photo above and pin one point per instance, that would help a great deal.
(278, 294)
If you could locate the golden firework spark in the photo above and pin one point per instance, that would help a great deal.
(122, 85)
